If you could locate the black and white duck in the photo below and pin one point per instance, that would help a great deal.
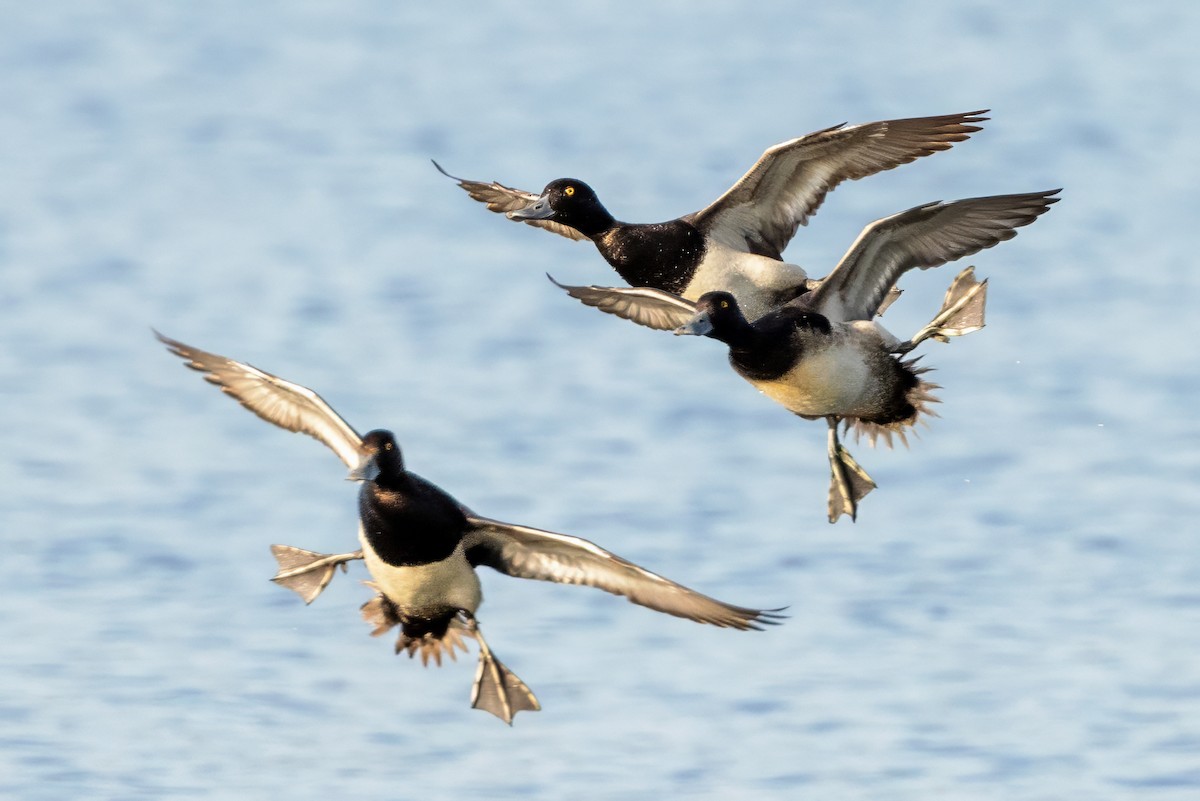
(823, 354)
(736, 243)
(422, 547)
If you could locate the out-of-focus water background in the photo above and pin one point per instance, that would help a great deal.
(1015, 615)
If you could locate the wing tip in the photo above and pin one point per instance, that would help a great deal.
(190, 355)
(172, 344)
(443, 172)
(766, 617)
(972, 116)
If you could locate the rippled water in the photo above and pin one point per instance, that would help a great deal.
(1016, 615)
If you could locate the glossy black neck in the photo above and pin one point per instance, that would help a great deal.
(592, 222)
(737, 333)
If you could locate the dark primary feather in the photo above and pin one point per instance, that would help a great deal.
(760, 213)
(922, 237)
(543, 555)
(503, 199)
(275, 400)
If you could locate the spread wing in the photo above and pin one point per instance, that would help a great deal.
(283, 403)
(760, 213)
(503, 199)
(924, 237)
(652, 308)
(543, 555)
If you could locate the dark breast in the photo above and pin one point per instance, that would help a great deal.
(775, 345)
(660, 255)
(414, 525)
(762, 363)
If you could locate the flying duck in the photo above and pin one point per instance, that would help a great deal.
(736, 243)
(823, 355)
(421, 546)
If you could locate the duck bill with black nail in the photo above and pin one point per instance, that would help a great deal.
(537, 210)
(366, 470)
(699, 326)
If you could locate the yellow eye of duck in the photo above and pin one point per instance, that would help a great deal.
(724, 304)
(570, 190)
(387, 446)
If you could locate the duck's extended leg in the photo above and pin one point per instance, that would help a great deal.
(497, 689)
(850, 483)
(307, 573)
(961, 313)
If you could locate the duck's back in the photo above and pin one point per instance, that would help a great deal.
(677, 257)
(760, 283)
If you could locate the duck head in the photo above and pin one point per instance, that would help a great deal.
(571, 203)
(717, 316)
(382, 462)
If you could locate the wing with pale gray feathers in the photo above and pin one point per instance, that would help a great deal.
(925, 236)
(652, 308)
(543, 555)
(760, 213)
(275, 400)
(503, 199)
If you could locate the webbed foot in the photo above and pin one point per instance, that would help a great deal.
(962, 312)
(308, 573)
(497, 689)
(849, 483)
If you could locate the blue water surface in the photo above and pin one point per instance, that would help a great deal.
(1015, 615)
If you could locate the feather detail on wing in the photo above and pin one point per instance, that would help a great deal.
(275, 400)
(653, 308)
(543, 555)
(503, 199)
(760, 213)
(925, 236)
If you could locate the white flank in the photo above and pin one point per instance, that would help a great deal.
(832, 380)
(753, 280)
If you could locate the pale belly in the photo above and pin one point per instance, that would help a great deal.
(833, 381)
(754, 280)
(432, 588)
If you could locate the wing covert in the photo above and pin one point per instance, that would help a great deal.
(531, 553)
(922, 237)
(760, 213)
(653, 308)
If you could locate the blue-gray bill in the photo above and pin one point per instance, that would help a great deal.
(539, 209)
(698, 326)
